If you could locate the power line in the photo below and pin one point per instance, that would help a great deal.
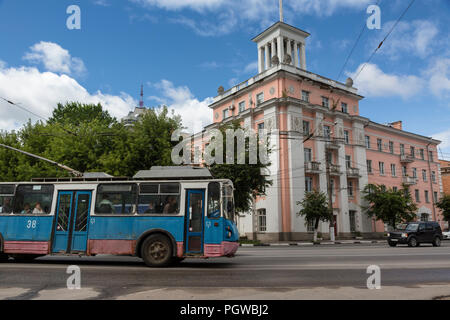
(385, 38)
(354, 47)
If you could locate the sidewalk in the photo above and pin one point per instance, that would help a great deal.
(308, 243)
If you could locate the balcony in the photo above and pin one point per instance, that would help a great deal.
(409, 181)
(332, 144)
(404, 158)
(335, 170)
(353, 173)
(312, 167)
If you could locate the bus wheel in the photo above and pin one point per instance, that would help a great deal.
(157, 251)
(24, 258)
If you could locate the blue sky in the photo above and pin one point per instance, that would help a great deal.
(183, 50)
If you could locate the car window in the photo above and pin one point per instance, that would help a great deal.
(412, 227)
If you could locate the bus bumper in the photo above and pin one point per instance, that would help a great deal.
(225, 249)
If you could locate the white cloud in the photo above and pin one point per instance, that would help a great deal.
(55, 58)
(445, 138)
(103, 3)
(195, 114)
(439, 77)
(251, 67)
(40, 92)
(373, 82)
(416, 38)
(226, 15)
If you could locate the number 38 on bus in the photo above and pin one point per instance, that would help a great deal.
(162, 215)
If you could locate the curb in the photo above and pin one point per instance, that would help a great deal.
(311, 243)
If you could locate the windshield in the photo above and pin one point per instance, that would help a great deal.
(402, 226)
(228, 202)
(412, 227)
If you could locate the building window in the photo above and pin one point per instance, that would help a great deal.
(381, 165)
(369, 166)
(417, 194)
(344, 107)
(308, 155)
(402, 149)
(422, 155)
(391, 147)
(305, 96)
(404, 171)
(352, 217)
(347, 137)
(436, 198)
(260, 98)
(393, 170)
(415, 173)
(327, 132)
(308, 184)
(395, 189)
(262, 220)
(310, 226)
(413, 152)
(380, 145)
(424, 217)
(348, 161)
(367, 142)
(430, 156)
(325, 102)
(242, 106)
(424, 175)
(305, 127)
(433, 176)
(350, 189)
(225, 114)
(427, 198)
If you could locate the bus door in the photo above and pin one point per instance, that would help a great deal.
(71, 223)
(194, 220)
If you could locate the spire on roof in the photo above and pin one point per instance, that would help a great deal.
(141, 102)
(281, 11)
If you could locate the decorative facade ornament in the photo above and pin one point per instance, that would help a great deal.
(272, 91)
(221, 90)
(275, 61)
(287, 59)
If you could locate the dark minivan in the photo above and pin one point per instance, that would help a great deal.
(415, 233)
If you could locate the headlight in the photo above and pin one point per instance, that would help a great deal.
(388, 234)
(404, 235)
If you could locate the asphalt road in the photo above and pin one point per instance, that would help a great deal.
(315, 272)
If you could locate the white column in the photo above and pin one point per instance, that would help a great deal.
(260, 60)
(303, 56)
(289, 49)
(281, 49)
(296, 63)
(266, 56)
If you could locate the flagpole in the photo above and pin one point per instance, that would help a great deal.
(281, 10)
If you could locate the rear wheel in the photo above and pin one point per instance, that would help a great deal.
(3, 257)
(157, 251)
(437, 242)
(392, 244)
(413, 242)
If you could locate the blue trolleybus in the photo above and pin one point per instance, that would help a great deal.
(162, 215)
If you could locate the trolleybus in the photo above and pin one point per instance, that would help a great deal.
(162, 215)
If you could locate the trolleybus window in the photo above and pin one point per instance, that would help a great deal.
(115, 199)
(6, 199)
(214, 200)
(159, 198)
(33, 199)
(228, 203)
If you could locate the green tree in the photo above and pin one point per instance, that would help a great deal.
(248, 179)
(315, 209)
(444, 205)
(388, 205)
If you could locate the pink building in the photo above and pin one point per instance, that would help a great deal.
(292, 102)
